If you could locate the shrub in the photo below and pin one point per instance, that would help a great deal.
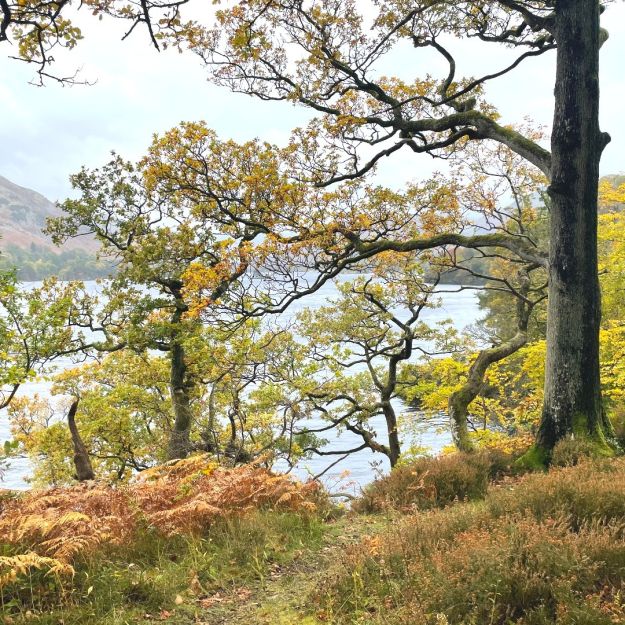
(121, 584)
(435, 482)
(594, 490)
(571, 451)
(547, 549)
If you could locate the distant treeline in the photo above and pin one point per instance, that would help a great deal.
(38, 262)
(472, 270)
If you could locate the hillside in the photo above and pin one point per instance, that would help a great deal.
(23, 215)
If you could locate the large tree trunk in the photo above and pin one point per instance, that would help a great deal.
(179, 442)
(572, 390)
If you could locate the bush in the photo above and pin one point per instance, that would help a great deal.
(547, 549)
(590, 492)
(435, 482)
(569, 452)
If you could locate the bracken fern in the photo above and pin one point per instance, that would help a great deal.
(184, 497)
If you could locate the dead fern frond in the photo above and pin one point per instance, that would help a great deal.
(63, 523)
(22, 564)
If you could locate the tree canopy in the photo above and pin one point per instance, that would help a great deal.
(215, 234)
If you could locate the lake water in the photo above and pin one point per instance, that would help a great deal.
(461, 306)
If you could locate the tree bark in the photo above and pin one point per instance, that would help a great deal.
(573, 403)
(394, 445)
(82, 462)
(179, 441)
(459, 401)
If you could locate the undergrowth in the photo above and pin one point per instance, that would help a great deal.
(91, 550)
(453, 540)
(539, 550)
(165, 579)
(436, 482)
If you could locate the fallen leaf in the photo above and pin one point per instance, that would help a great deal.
(208, 602)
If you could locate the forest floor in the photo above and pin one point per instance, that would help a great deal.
(284, 595)
(546, 548)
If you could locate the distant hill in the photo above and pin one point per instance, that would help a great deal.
(23, 214)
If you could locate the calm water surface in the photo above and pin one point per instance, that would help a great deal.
(359, 468)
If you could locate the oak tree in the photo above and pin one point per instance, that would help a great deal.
(324, 56)
(358, 341)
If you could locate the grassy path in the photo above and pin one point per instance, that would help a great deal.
(282, 596)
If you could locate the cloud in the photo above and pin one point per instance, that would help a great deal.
(48, 133)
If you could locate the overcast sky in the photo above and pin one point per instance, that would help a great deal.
(47, 133)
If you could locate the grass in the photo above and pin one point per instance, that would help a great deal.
(544, 549)
(181, 538)
(455, 540)
(169, 580)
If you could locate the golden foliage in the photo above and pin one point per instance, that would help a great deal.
(23, 563)
(62, 524)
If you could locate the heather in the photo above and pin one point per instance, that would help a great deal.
(541, 549)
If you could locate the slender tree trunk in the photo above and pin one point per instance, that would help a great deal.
(179, 442)
(572, 387)
(82, 462)
(459, 401)
(394, 447)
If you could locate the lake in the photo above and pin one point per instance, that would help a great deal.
(461, 306)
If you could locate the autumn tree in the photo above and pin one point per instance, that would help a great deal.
(511, 390)
(358, 341)
(241, 409)
(143, 305)
(506, 190)
(193, 209)
(324, 55)
(303, 249)
(125, 418)
(612, 250)
(251, 408)
(42, 28)
(34, 331)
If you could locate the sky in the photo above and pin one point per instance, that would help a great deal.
(48, 133)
